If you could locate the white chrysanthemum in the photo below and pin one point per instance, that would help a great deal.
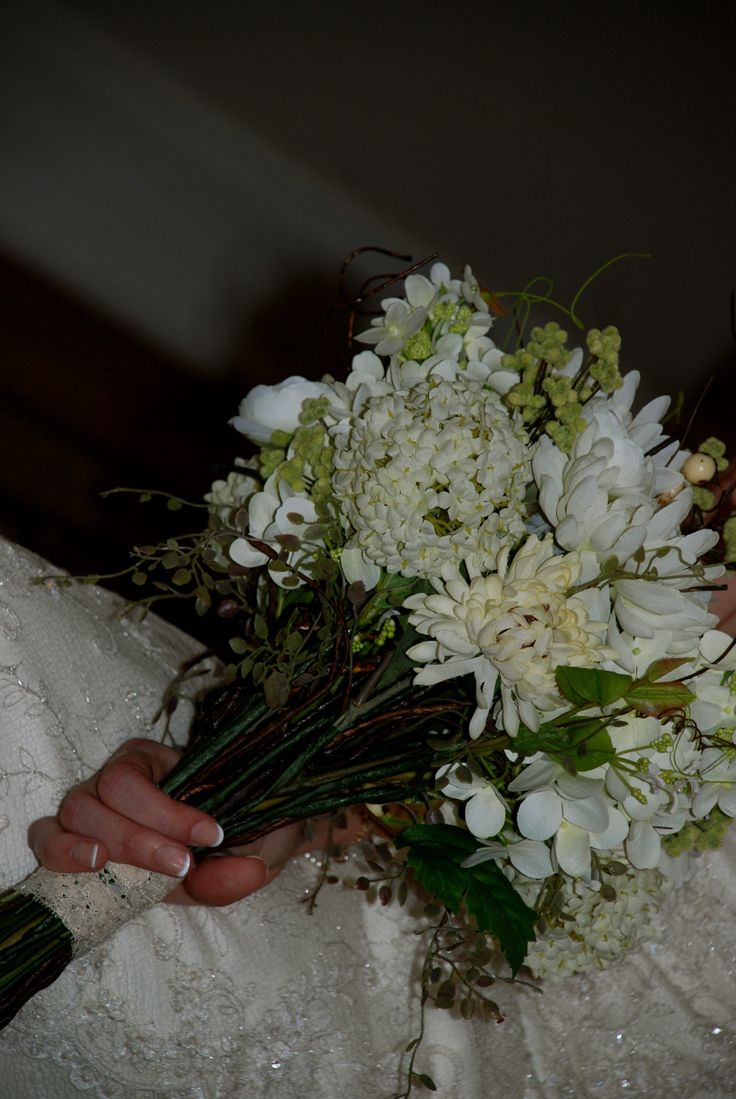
(604, 495)
(431, 477)
(596, 932)
(515, 626)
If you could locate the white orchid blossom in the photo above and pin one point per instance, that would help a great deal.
(485, 809)
(571, 808)
(274, 512)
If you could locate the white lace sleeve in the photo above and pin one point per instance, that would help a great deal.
(265, 1001)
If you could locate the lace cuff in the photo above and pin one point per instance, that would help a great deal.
(94, 906)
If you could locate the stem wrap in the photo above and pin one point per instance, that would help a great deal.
(93, 906)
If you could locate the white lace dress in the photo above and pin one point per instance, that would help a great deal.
(265, 1000)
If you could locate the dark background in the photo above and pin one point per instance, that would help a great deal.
(180, 181)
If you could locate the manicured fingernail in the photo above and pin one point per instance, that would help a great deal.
(206, 833)
(85, 853)
(173, 861)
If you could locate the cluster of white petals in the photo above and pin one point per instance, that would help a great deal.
(537, 559)
(597, 931)
(453, 309)
(275, 512)
(513, 628)
(431, 477)
(571, 808)
(232, 493)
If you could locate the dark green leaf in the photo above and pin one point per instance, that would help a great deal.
(659, 696)
(260, 627)
(436, 854)
(591, 685)
(181, 577)
(424, 1080)
(139, 578)
(276, 690)
(587, 746)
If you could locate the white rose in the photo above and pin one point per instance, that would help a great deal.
(269, 408)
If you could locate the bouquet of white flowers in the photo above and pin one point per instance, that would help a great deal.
(468, 588)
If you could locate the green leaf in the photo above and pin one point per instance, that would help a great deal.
(587, 745)
(181, 577)
(260, 627)
(649, 694)
(591, 686)
(655, 697)
(424, 1080)
(436, 854)
(276, 689)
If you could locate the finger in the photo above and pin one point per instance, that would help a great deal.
(127, 786)
(221, 880)
(82, 814)
(64, 852)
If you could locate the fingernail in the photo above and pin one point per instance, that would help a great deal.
(85, 853)
(206, 833)
(263, 863)
(173, 861)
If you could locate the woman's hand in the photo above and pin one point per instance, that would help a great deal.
(120, 814)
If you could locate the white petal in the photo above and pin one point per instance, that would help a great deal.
(541, 772)
(572, 848)
(643, 845)
(614, 834)
(356, 566)
(485, 813)
(244, 554)
(531, 859)
(539, 815)
(588, 813)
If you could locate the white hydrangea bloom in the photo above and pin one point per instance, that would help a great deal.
(599, 931)
(514, 627)
(431, 477)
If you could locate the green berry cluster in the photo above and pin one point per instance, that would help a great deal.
(604, 345)
(548, 398)
(701, 835)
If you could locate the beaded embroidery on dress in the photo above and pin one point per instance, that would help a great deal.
(263, 999)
